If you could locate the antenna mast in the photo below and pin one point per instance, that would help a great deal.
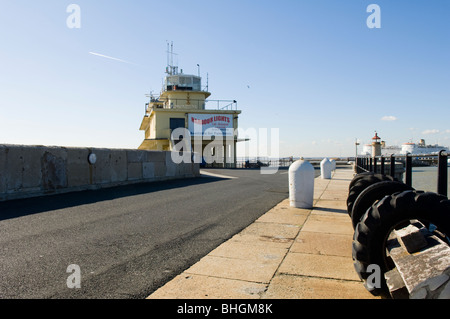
(171, 69)
(168, 62)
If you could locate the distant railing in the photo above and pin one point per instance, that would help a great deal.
(386, 165)
(224, 104)
(200, 104)
(263, 161)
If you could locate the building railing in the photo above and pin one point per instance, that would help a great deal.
(386, 165)
(223, 104)
(245, 162)
(199, 104)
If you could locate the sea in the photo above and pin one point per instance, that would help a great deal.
(425, 178)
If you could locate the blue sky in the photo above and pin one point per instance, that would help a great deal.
(312, 69)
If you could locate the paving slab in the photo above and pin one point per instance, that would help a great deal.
(272, 230)
(287, 253)
(324, 222)
(189, 286)
(322, 266)
(246, 251)
(285, 215)
(337, 206)
(318, 244)
(233, 268)
(298, 287)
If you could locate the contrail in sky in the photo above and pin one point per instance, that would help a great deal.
(111, 58)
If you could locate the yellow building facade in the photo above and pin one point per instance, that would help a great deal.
(183, 103)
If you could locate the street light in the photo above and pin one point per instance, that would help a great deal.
(356, 148)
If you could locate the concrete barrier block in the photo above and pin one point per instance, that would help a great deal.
(102, 167)
(196, 169)
(32, 169)
(2, 169)
(159, 169)
(118, 166)
(110, 167)
(156, 156)
(171, 167)
(179, 169)
(13, 167)
(191, 169)
(184, 169)
(148, 170)
(134, 171)
(78, 171)
(54, 168)
(136, 156)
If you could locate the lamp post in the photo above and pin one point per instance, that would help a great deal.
(356, 155)
(356, 148)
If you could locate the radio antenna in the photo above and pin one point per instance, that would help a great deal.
(171, 69)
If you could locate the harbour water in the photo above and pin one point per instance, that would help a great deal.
(425, 178)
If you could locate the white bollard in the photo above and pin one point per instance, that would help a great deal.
(333, 164)
(325, 169)
(301, 184)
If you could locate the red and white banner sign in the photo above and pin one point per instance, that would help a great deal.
(210, 124)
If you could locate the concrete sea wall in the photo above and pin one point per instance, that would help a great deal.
(27, 171)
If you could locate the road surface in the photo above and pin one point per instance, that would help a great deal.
(126, 241)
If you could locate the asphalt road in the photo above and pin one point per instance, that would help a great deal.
(127, 241)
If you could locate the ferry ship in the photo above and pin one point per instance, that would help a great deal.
(419, 148)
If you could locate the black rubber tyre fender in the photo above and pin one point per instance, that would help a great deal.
(372, 194)
(357, 177)
(371, 233)
(362, 184)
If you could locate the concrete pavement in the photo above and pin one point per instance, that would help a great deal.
(288, 253)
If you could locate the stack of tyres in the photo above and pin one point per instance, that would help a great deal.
(372, 194)
(395, 212)
(378, 205)
(359, 183)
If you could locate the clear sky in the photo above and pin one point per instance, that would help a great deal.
(311, 68)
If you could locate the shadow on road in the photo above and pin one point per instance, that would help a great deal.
(28, 206)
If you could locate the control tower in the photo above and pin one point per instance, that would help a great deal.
(183, 103)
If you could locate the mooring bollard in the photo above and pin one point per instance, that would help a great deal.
(325, 169)
(333, 164)
(301, 184)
